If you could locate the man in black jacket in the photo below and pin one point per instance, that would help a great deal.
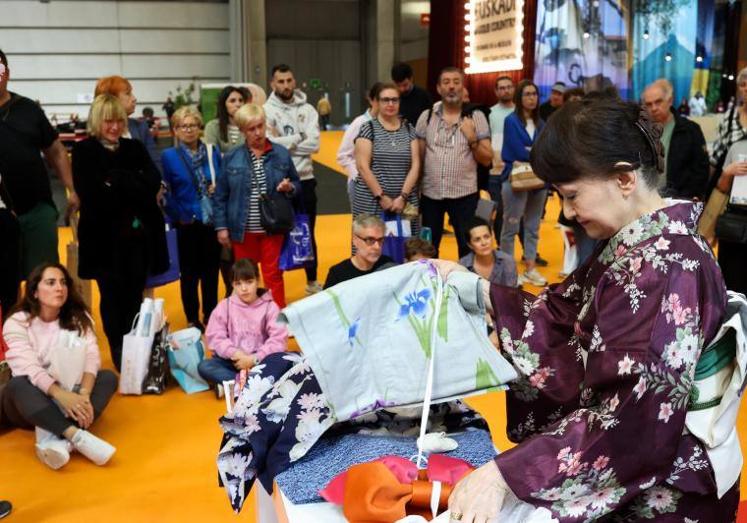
(413, 100)
(685, 152)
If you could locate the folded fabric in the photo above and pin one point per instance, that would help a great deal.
(376, 329)
(391, 487)
(332, 456)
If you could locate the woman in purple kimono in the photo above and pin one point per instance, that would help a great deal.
(606, 359)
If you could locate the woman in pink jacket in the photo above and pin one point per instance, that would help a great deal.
(242, 329)
(57, 386)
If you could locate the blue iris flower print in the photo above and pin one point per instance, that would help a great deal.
(353, 331)
(415, 302)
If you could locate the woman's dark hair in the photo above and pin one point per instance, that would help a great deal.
(384, 86)
(244, 269)
(223, 112)
(373, 93)
(519, 108)
(475, 222)
(598, 138)
(74, 314)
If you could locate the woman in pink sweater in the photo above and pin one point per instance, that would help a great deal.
(242, 329)
(57, 386)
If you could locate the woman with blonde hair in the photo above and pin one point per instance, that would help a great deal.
(191, 170)
(121, 231)
(257, 168)
(121, 88)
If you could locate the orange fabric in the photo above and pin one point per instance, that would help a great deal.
(374, 495)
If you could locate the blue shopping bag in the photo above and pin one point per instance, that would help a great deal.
(297, 248)
(185, 354)
(395, 238)
(173, 272)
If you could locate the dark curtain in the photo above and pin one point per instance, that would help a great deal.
(446, 47)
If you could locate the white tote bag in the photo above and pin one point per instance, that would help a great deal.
(136, 350)
(68, 359)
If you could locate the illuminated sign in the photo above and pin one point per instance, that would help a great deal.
(493, 35)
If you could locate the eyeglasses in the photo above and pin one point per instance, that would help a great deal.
(370, 241)
(389, 100)
(188, 127)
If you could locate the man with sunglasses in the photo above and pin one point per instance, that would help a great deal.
(368, 239)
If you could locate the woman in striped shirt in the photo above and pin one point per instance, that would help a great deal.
(388, 161)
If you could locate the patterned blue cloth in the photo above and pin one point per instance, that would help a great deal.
(332, 455)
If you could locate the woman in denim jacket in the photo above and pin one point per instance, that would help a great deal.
(191, 170)
(260, 167)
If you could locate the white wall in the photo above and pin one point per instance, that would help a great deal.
(57, 50)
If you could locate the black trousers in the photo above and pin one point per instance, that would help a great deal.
(731, 259)
(25, 406)
(10, 260)
(199, 261)
(460, 211)
(309, 202)
(121, 291)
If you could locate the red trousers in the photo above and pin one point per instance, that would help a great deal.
(264, 250)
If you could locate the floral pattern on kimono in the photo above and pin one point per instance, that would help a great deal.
(281, 412)
(606, 362)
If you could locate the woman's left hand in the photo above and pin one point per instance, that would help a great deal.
(285, 186)
(398, 205)
(479, 496)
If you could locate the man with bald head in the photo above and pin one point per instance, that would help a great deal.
(685, 152)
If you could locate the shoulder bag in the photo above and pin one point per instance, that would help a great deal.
(522, 178)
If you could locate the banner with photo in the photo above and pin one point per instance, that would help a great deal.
(583, 43)
(665, 33)
(495, 36)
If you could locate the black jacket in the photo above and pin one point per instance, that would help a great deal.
(687, 161)
(115, 189)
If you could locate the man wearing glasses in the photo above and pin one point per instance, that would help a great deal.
(368, 238)
(452, 145)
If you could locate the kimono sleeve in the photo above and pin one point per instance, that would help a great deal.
(623, 437)
(534, 334)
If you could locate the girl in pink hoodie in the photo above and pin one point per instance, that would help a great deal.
(242, 329)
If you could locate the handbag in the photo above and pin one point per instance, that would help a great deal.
(297, 247)
(173, 272)
(732, 225)
(158, 367)
(522, 178)
(395, 238)
(276, 213)
(714, 208)
(185, 353)
(136, 350)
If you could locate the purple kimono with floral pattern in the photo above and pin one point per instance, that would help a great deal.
(606, 362)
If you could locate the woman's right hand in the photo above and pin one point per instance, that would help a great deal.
(386, 202)
(224, 238)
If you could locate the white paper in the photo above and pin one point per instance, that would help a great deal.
(739, 187)
(391, 229)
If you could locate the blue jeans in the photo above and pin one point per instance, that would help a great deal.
(517, 205)
(217, 370)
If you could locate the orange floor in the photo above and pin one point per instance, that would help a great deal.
(164, 469)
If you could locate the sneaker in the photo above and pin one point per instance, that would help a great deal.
(533, 278)
(92, 447)
(540, 261)
(219, 392)
(52, 450)
(5, 508)
(313, 287)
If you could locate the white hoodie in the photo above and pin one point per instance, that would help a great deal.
(297, 124)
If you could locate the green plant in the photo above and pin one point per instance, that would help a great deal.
(183, 96)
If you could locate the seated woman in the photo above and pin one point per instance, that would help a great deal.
(493, 265)
(61, 400)
(606, 358)
(243, 329)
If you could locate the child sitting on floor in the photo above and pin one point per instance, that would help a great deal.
(242, 329)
